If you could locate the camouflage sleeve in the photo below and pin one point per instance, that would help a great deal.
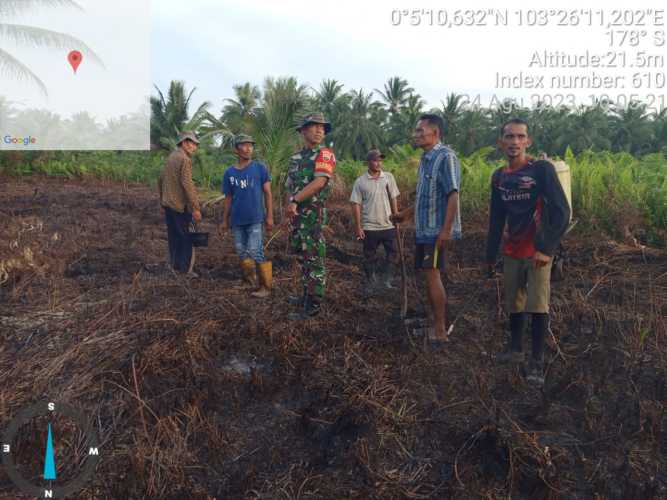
(188, 185)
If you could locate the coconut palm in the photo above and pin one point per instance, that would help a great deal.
(170, 115)
(474, 130)
(332, 101)
(328, 95)
(31, 36)
(284, 103)
(451, 113)
(631, 129)
(395, 95)
(359, 130)
(238, 112)
(410, 113)
(588, 128)
(547, 127)
(659, 122)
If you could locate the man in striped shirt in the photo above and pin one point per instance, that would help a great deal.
(437, 216)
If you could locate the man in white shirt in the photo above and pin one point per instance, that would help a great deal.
(374, 197)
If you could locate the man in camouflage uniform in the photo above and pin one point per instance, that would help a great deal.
(307, 186)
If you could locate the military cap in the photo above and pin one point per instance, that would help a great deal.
(315, 118)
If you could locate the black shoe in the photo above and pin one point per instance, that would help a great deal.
(310, 308)
(535, 374)
(297, 300)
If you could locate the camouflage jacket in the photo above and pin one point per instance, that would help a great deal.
(304, 167)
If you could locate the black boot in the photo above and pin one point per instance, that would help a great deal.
(312, 306)
(539, 327)
(388, 277)
(514, 353)
(297, 300)
(309, 309)
(371, 278)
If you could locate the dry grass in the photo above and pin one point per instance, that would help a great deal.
(199, 392)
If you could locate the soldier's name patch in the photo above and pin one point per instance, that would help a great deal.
(324, 168)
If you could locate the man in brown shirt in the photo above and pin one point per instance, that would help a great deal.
(178, 197)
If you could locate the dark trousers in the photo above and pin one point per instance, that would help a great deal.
(386, 238)
(178, 235)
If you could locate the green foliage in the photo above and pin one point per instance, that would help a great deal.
(170, 115)
(123, 166)
(618, 192)
(614, 192)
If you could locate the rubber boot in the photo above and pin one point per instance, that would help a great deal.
(388, 277)
(297, 300)
(249, 274)
(539, 327)
(371, 279)
(265, 273)
(310, 308)
(514, 353)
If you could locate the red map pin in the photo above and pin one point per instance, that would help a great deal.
(75, 57)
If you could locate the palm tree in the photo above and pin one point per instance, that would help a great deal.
(395, 95)
(450, 113)
(284, 103)
(659, 121)
(332, 101)
(328, 95)
(170, 115)
(631, 128)
(238, 113)
(36, 37)
(360, 131)
(410, 113)
(547, 128)
(474, 126)
(588, 128)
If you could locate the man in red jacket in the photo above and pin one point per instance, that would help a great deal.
(526, 195)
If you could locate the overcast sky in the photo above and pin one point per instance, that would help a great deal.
(214, 44)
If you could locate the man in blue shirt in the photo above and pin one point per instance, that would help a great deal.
(248, 205)
(437, 216)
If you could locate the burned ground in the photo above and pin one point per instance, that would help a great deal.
(198, 391)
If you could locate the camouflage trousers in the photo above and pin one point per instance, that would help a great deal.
(309, 244)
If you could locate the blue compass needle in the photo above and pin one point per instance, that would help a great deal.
(49, 459)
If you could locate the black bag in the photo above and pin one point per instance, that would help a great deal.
(198, 239)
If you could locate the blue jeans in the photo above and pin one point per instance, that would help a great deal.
(248, 241)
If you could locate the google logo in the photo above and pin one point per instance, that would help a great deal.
(26, 141)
